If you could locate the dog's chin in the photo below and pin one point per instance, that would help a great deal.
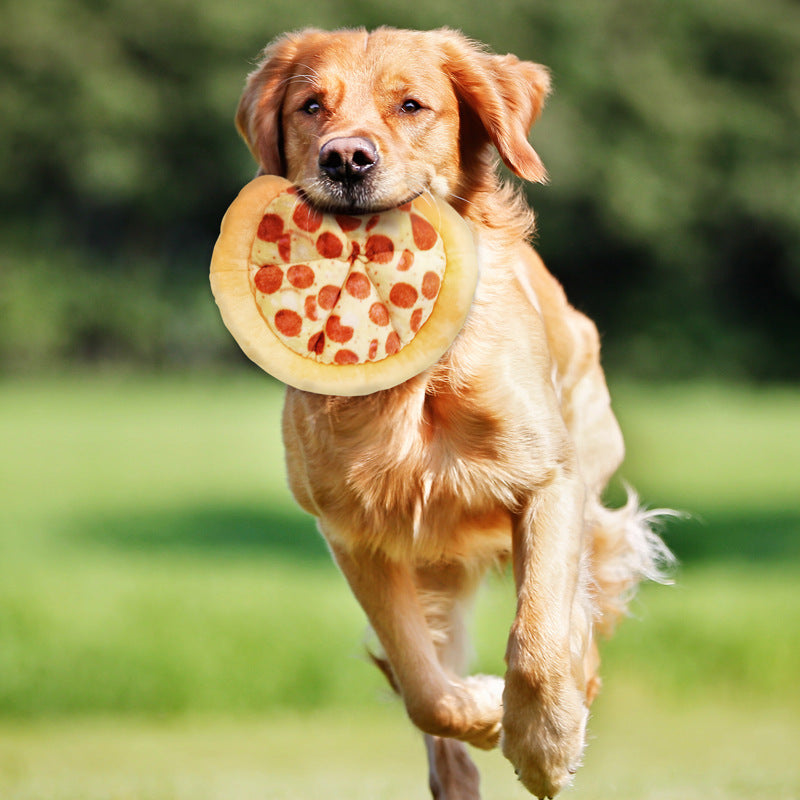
(352, 198)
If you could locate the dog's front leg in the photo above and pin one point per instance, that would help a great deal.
(545, 698)
(437, 702)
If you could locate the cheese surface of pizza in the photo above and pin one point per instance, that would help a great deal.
(345, 289)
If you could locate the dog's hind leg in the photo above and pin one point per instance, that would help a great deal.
(445, 591)
(451, 773)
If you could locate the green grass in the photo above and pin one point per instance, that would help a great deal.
(172, 627)
(153, 561)
(640, 750)
(720, 449)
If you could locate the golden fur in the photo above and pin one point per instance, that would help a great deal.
(501, 450)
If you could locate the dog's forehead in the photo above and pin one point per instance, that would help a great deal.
(357, 58)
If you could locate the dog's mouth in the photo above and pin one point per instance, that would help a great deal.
(333, 197)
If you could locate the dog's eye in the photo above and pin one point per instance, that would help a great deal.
(311, 106)
(410, 106)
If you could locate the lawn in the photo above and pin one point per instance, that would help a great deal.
(171, 627)
(640, 750)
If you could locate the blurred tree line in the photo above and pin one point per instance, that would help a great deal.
(672, 141)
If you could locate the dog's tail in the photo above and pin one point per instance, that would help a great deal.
(625, 549)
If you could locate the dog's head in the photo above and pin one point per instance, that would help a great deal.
(367, 121)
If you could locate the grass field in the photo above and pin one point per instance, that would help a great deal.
(171, 627)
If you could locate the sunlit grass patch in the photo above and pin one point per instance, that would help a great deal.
(640, 749)
(172, 628)
(153, 560)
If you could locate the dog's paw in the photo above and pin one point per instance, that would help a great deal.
(487, 694)
(469, 709)
(544, 731)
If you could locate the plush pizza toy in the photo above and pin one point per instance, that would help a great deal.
(341, 304)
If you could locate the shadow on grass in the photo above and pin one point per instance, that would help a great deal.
(772, 536)
(209, 530)
(285, 532)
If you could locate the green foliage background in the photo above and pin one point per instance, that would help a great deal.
(673, 215)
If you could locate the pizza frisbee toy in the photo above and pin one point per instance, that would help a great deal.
(341, 304)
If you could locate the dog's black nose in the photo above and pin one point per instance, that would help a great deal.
(347, 158)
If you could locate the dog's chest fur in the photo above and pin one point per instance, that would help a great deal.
(435, 467)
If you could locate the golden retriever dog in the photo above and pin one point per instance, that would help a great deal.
(500, 451)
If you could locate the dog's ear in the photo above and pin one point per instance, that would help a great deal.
(258, 118)
(506, 94)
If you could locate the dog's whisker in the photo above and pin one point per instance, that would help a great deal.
(309, 79)
(309, 68)
(430, 194)
(467, 203)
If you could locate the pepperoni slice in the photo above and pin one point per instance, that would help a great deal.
(316, 344)
(348, 223)
(328, 296)
(336, 331)
(288, 322)
(358, 285)
(269, 279)
(430, 285)
(424, 233)
(373, 349)
(310, 308)
(416, 320)
(301, 276)
(285, 247)
(392, 343)
(406, 261)
(329, 245)
(345, 357)
(306, 218)
(373, 221)
(379, 314)
(270, 228)
(379, 249)
(403, 295)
